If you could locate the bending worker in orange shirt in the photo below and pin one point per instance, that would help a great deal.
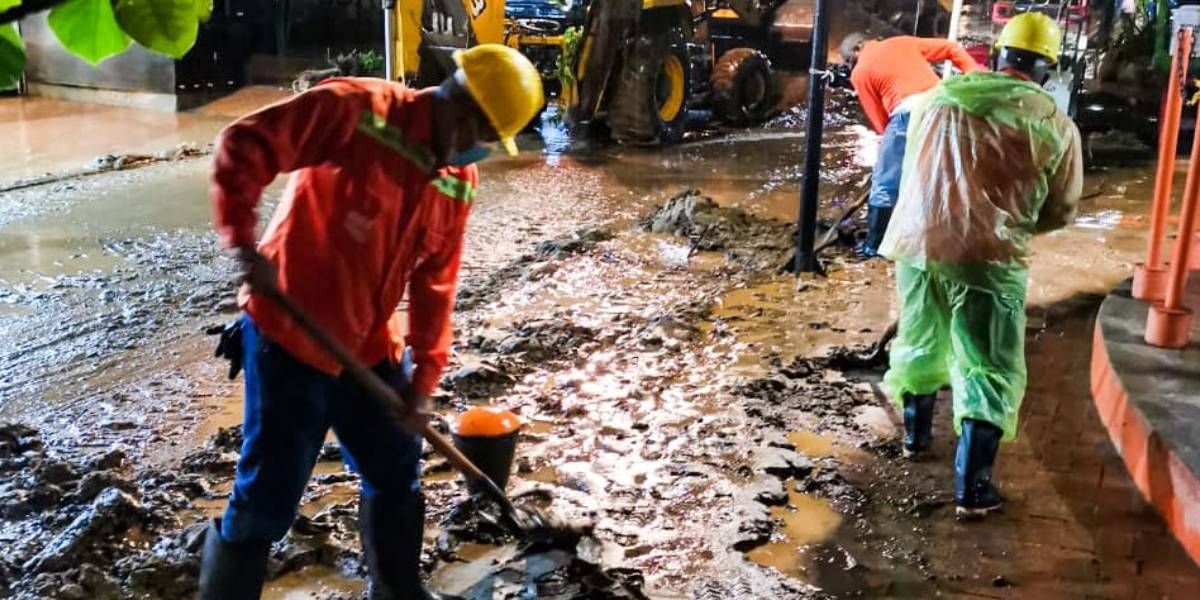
(888, 75)
(382, 182)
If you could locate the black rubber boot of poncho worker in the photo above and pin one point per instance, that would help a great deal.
(974, 494)
(918, 424)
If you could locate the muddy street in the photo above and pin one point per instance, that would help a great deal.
(677, 393)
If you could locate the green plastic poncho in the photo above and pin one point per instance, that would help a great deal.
(990, 162)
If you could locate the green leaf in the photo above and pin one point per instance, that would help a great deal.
(88, 29)
(7, 4)
(203, 9)
(164, 26)
(12, 56)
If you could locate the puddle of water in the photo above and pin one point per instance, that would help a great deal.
(538, 427)
(546, 474)
(811, 444)
(228, 413)
(310, 583)
(444, 475)
(327, 467)
(458, 577)
(774, 318)
(806, 520)
(470, 551)
(40, 255)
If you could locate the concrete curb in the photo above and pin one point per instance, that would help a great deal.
(1141, 393)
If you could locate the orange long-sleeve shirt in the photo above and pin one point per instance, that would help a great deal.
(888, 71)
(364, 217)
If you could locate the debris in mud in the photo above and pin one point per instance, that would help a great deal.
(557, 575)
(783, 463)
(17, 439)
(806, 385)
(210, 460)
(709, 226)
(228, 439)
(113, 459)
(579, 242)
(484, 380)
(540, 340)
(88, 531)
(754, 526)
(830, 484)
(107, 163)
(110, 514)
(770, 491)
(118, 162)
(540, 263)
(328, 538)
(219, 455)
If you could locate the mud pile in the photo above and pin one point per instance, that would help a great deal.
(94, 527)
(84, 527)
(531, 266)
(106, 163)
(745, 239)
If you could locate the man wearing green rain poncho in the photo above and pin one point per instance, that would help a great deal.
(991, 162)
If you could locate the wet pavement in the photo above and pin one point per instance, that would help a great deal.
(46, 137)
(677, 392)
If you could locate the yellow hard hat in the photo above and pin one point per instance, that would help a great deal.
(1035, 32)
(505, 85)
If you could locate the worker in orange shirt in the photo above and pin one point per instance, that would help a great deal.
(382, 183)
(888, 75)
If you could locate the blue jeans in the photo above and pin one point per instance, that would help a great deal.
(885, 180)
(289, 407)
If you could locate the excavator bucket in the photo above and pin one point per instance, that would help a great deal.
(608, 25)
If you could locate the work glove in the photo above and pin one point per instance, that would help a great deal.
(840, 77)
(229, 345)
(255, 270)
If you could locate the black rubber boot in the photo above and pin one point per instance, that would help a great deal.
(392, 529)
(230, 571)
(877, 224)
(974, 494)
(918, 424)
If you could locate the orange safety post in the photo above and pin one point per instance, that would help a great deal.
(1150, 277)
(1169, 323)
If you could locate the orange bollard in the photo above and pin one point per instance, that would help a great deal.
(1169, 323)
(1150, 277)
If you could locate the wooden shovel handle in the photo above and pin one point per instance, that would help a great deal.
(381, 391)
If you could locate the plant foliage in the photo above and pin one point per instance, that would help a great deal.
(94, 30)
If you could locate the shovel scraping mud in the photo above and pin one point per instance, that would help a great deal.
(527, 524)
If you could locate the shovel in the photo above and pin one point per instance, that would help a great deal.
(520, 522)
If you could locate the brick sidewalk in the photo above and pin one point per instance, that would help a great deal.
(1074, 526)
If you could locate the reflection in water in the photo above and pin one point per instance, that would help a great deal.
(310, 583)
(806, 520)
(478, 562)
(811, 444)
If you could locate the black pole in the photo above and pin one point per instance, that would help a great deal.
(806, 221)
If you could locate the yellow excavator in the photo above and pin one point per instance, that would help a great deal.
(639, 71)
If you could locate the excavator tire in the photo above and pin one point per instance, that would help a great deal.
(743, 91)
(649, 106)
